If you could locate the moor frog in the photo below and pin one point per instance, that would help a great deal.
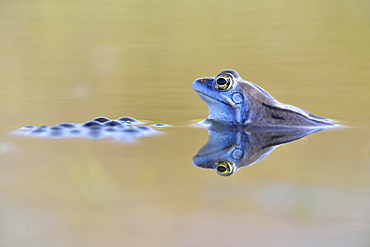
(234, 101)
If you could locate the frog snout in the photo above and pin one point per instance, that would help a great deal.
(202, 83)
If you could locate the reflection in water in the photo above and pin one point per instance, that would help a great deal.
(230, 148)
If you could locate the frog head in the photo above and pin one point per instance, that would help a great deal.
(224, 97)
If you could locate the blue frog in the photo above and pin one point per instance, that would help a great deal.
(234, 101)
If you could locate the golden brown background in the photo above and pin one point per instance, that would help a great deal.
(75, 60)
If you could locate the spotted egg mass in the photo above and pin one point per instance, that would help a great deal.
(122, 129)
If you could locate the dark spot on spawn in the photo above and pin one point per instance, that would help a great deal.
(110, 129)
(29, 127)
(75, 132)
(95, 133)
(39, 130)
(112, 123)
(127, 120)
(55, 128)
(145, 128)
(101, 119)
(159, 125)
(122, 126)
(95, 127)
(130, 130)
(91, 123)
(67, 125)
(277, 116)
(56, 133)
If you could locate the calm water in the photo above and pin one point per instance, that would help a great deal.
(76, 60)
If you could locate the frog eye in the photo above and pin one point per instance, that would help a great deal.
(223, 83)
(224, 168)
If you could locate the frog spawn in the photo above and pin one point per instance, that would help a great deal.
(124, 129)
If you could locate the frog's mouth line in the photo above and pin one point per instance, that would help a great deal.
(213, 98)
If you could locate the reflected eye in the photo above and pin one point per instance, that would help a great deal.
(224, 168)
(223, 83)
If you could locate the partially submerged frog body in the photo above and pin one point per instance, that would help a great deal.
(125, 129)
(234, 101)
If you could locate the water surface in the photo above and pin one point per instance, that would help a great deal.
(72, 61)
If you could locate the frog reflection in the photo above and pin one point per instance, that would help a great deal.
(230, 148)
